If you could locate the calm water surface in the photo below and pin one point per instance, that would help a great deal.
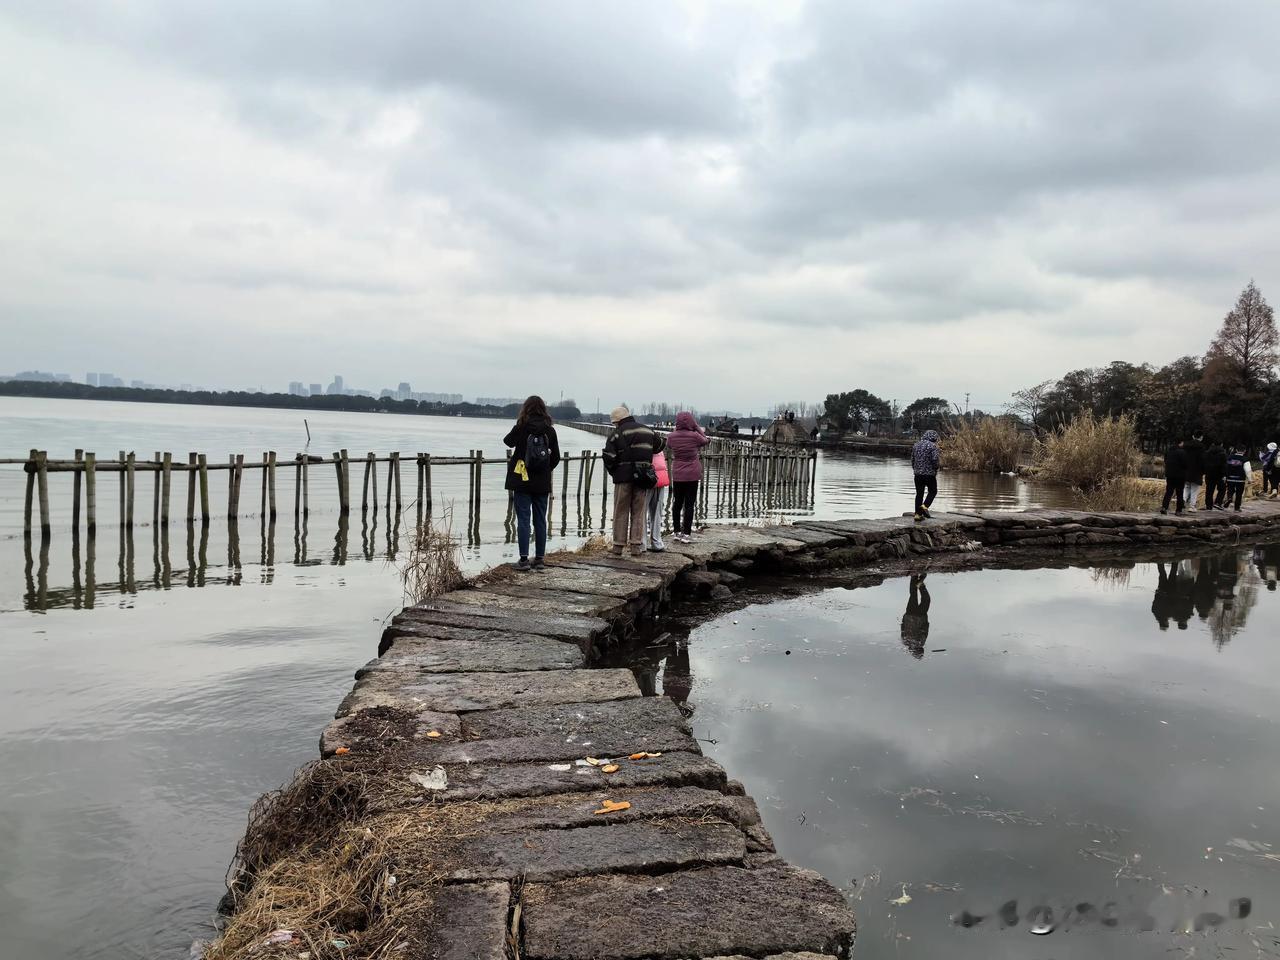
(154, 685)
(1101, 742)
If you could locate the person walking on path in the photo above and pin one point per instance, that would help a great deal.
(1175, 476)
(925, 458)
(685, 443)
(1270, 481)
(1239, 473)
(653, 506)
(1215, 468)
(1195, 471)
(535, 453)
(628, 456)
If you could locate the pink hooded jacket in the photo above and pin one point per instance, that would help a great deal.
(684, 442)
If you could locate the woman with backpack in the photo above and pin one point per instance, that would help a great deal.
(535, 453)
(1239, 473)
(685, 443)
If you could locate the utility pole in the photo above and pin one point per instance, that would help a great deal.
(966, 404)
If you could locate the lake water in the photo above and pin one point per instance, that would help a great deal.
(1102, 742)
(154, 685)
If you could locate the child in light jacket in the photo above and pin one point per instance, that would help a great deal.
(653, 506)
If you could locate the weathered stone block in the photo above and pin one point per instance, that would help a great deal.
(697, 913)
(646, 847)
(460, 692)
(501, 654)
(468, 922)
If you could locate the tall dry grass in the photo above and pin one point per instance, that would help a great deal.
(1089, 452)
(431, 565)
(1125, 494)
(993, 446)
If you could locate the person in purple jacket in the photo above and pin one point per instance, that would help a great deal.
(685, 443)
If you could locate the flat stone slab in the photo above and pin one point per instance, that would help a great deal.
(641, 720)
(468, 922)
(500, 654)
(364, 731)
(625, 582)
(720, 545)
(560, 812)
(460, 692)
(522, 598)
(603, 741)
(665, 564)
(581, 851)
(482, 781)
(448, 614)
(804, 535)
(718, 911)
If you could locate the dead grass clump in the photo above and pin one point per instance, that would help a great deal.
(343, 900)
(324, 797)
(1127, 494)
(595, 546)
(1089, 452)
(430, 567)
(993, 446)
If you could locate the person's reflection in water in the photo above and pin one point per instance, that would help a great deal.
(1206, 586)
(677, 682)
(1183, 594)
(1163, 603)
(915, 622)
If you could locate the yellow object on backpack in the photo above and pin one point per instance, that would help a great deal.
(522, 471)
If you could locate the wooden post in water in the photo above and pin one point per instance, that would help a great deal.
(76, 481)
(90, 495)
(390, 471)
(42, 482)
(395, 469)
(346, 487)
(191, 487)
(155, 492)
(271, 490)
(471, 490)
(164, 488)
(31, 491)
(262, 501)
(364, 493)
(239, 472)
(418, 462)
(426, 476)
(306, 501)
(122, 489)
(479, 466)
(203, 461)
(129, 464)
(231, 486)
(297, 487)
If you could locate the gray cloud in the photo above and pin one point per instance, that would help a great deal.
(1097, 177)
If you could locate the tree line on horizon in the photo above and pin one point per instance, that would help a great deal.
(1231, 393)
(563, 410)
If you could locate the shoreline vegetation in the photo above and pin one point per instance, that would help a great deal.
(63, 390)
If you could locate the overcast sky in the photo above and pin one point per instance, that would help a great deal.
(725, 205)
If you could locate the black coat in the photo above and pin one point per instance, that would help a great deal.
(1215, 462)
(1194, 450)
(537, 484)
(1175, 464)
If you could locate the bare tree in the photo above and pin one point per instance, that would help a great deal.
(1247, 340)
(1029, 403)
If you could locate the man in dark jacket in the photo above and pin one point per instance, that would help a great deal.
(628, 451)
(925, 457)
(1175, 476)
(1195, 471)
(1215, 468)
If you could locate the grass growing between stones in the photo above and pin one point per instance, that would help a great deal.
(430, 567)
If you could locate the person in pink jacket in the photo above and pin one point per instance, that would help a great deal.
(653, 505)
(685, 443)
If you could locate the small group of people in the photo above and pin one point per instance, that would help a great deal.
(1223, 470)
(636, 457)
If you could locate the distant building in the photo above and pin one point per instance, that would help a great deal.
(91, 379)
(404, 392)
(336, 389)
(109, 380)
(437, 397)
(386, 394)
(296, 389)
(498, 401)
(317, 389)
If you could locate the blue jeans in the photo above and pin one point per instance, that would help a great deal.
(535, 504)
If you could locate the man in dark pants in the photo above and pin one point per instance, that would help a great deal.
(1195, 471)
(1215, 468)
(925, 458)
(1175, 475)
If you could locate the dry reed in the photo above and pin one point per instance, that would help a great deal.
(431, 565)
(1089, 452)
(993, 446)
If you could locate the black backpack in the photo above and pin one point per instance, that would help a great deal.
(643, 475)
(537, 453)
